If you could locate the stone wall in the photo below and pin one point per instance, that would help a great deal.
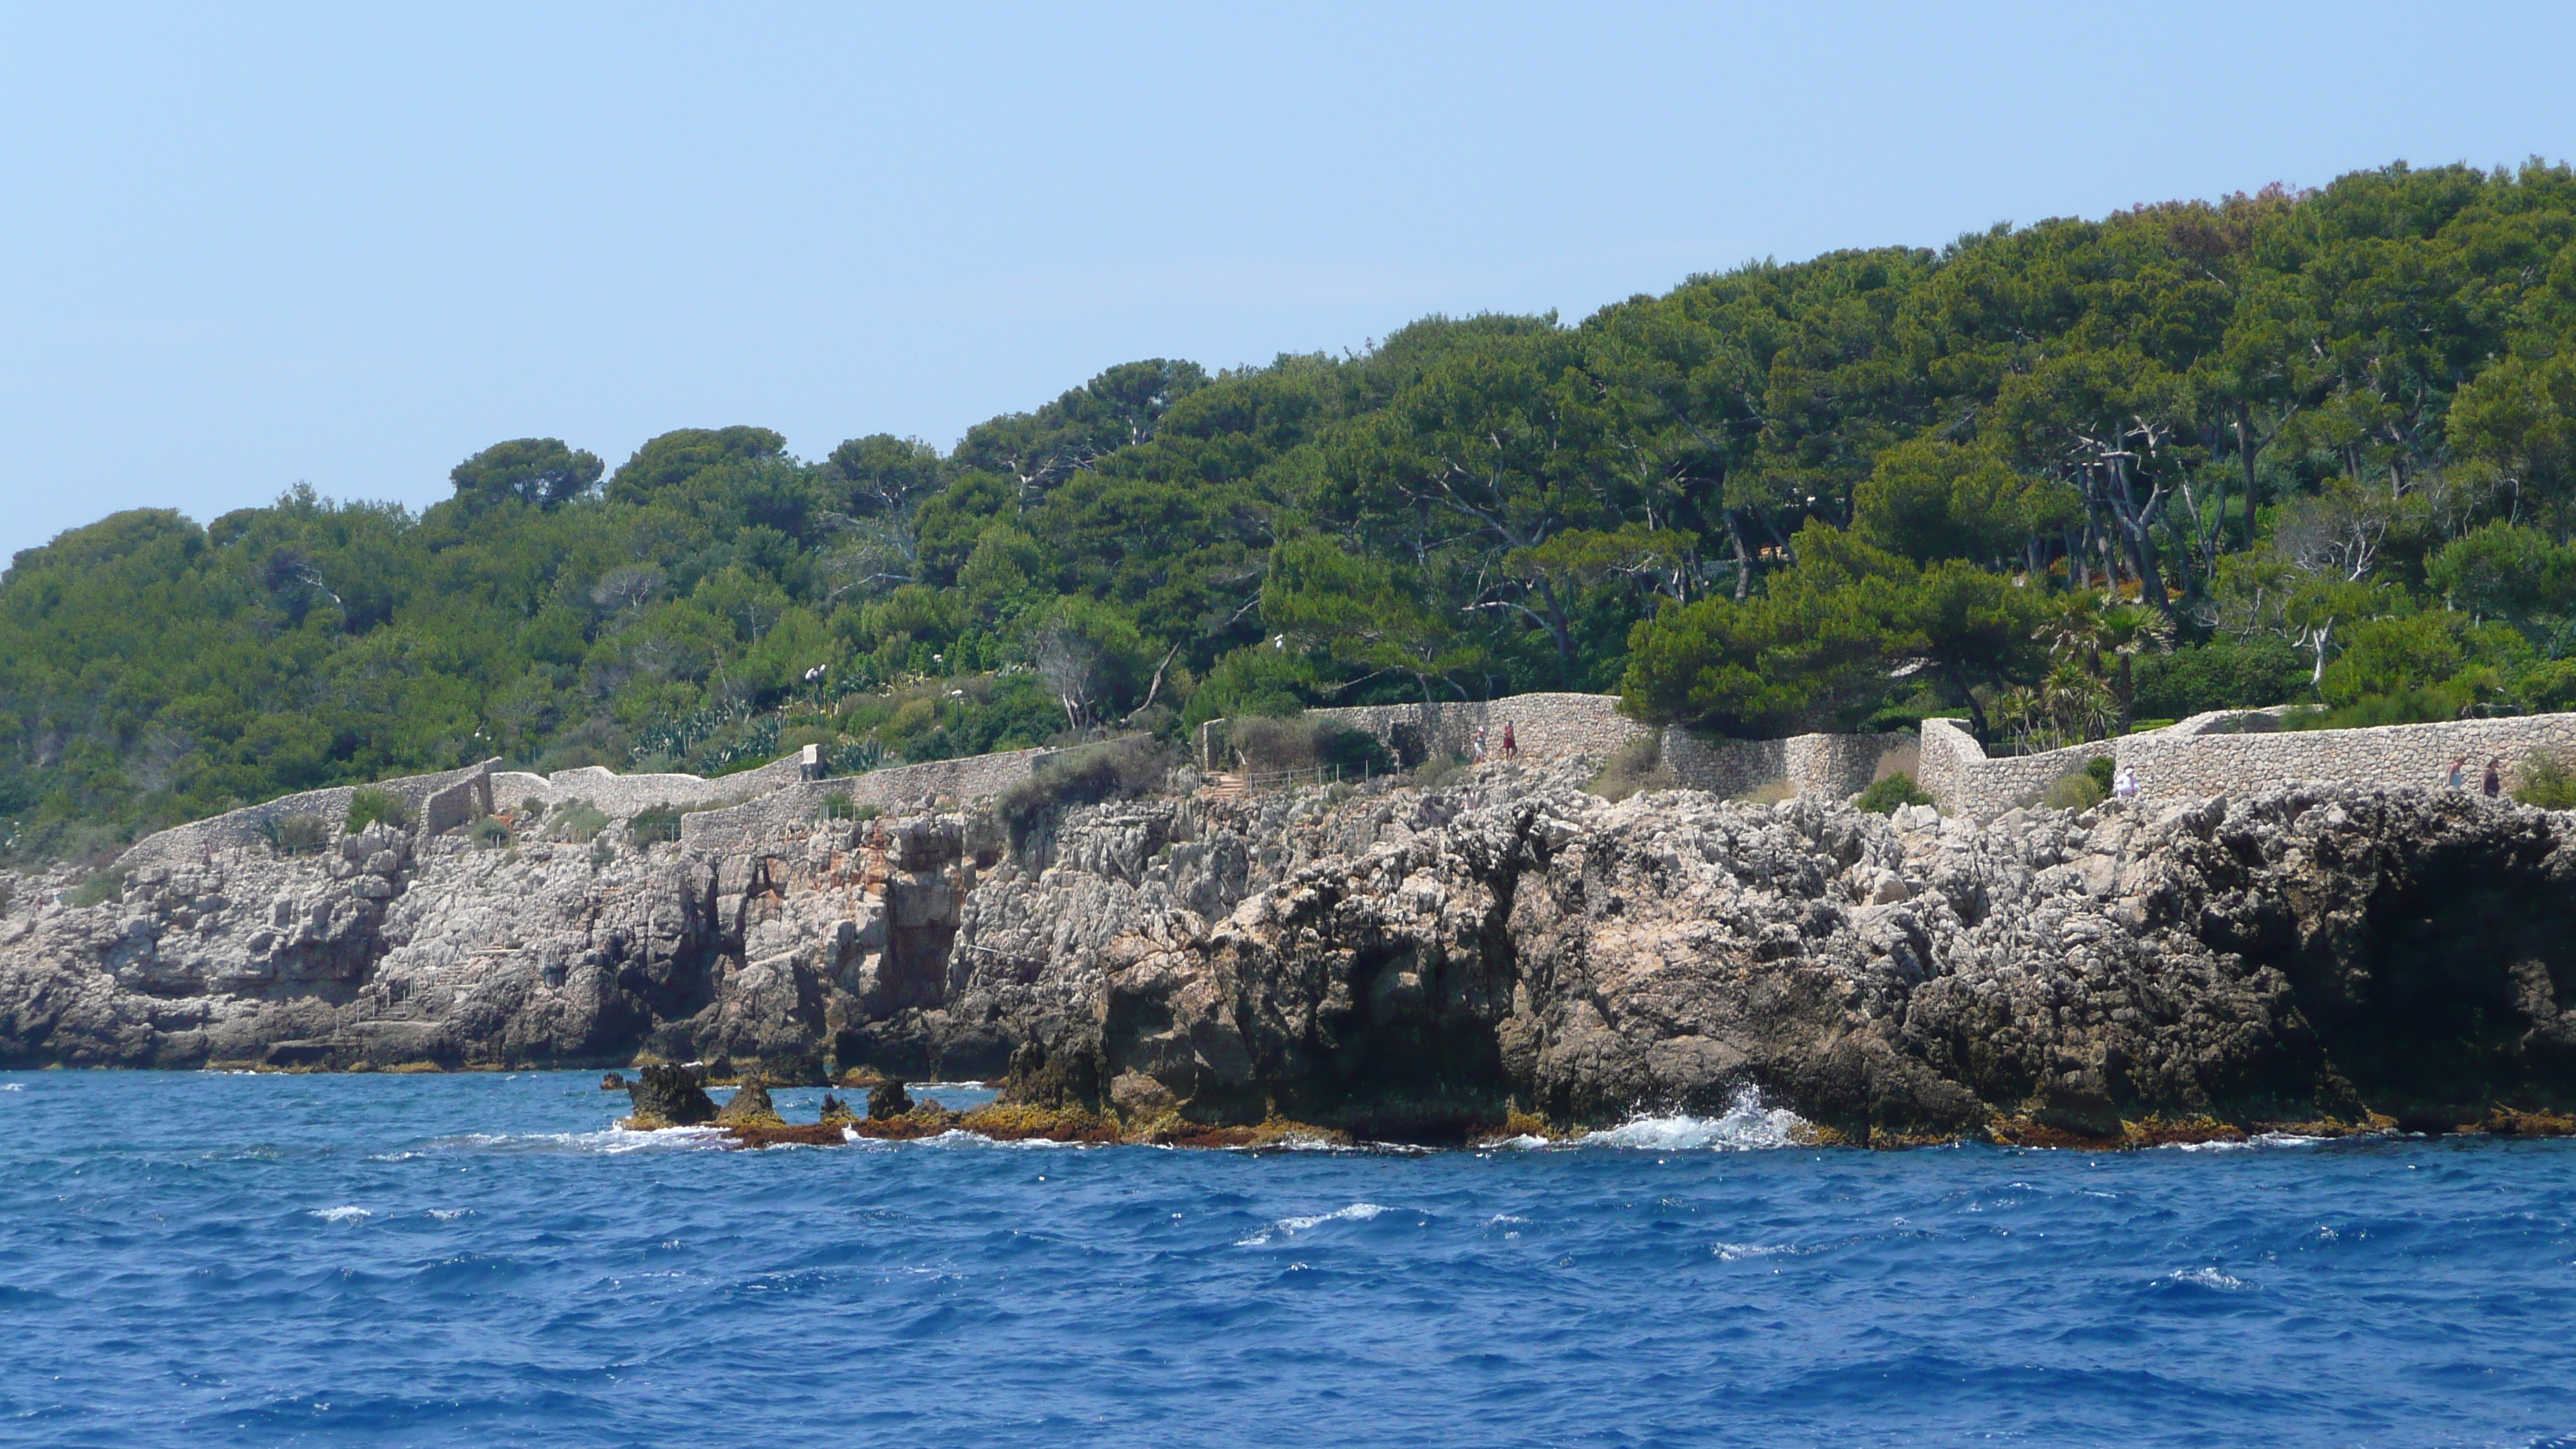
(2234, 750)
(621, 796)
(1545, 727)
(1837, 766)
(1550, 727)
(900, 788)
(435, 802)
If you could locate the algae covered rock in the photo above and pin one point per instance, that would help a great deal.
(667, 1096)
(750, 1107)
(888, 1101)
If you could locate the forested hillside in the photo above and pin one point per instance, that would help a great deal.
(2057, 478)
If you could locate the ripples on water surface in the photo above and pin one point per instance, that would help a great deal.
(192, 1259)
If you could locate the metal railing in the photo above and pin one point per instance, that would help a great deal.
(1284, 779)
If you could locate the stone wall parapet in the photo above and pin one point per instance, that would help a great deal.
(927, 785)
(2235, 750)
(435, 802)
(1545, 727)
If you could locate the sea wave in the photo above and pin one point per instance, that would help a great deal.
(2260, 1139)
(1358, 1212)
(612, 1141)
(1746, 1126)
(2207, 1278)
(339, 1214)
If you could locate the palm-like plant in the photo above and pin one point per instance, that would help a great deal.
(2085, 628)
(2127, 631)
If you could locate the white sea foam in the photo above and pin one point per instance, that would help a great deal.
(1358, 1212)
(449, 1215)
(958, 1137)
(339, 1214)
(1747, 1126)
(14, 1087)
(1737, 1252)
(1525, 1142)
(2263, 1139)
(612, 1140)
(2208, 1278)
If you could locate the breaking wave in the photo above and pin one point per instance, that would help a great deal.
(1746, 1126)
(1358, 1212)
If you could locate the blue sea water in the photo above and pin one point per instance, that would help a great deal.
(200, 1259)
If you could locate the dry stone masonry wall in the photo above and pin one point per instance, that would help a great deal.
(2211, 754)
(901, 788)
(436, 802)
(1553, 728)
(2235, 751)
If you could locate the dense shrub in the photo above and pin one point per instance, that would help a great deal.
(577, 821)
(655, 824)
(1635, 766)
(2223, 675)
(1113, 769)
(1884, 796)
(2544, 778)
(842, 807)
(2081, 789)
(368, 807)
(488, 831)
(1303, 742)
(99, 889)
(295, 834)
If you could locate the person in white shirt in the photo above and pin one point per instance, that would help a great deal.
(2125, 784)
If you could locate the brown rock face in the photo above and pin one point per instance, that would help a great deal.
(668, 1094)
(1411, 964)
(2301, 954)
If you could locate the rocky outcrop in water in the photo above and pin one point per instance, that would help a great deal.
(1412, 963)
(668, 1096)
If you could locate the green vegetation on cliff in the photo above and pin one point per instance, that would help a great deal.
(2056, 478)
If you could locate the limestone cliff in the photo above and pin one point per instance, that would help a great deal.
(1410, 963)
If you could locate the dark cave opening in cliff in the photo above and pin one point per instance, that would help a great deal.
(2450, 993)
(1414, 1061)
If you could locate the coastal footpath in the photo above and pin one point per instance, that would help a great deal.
(1402, 961)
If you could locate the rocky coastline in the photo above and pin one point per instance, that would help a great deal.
(1502, 953)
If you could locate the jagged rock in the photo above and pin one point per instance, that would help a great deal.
(612, 1082)
(665, 1095)
(1409, 962)
(802, 1070)
(887, 1101)
(836, 1110)
(750, 1107)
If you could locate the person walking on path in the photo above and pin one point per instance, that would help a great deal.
(1511, 747)
(2125, 784)
(2495, 776)
(2459, 773)
(1480, 744)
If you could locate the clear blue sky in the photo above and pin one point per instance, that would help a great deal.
(349, 245)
